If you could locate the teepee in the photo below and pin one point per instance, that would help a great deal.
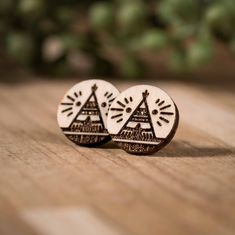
(138, 128)
(88, 121)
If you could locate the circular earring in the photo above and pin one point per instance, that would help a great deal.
(142, 119)
(82, 113)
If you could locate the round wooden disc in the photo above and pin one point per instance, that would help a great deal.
(83, 111)
(142, 119)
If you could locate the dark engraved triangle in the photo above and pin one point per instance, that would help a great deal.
(88, 119)
(140, 116)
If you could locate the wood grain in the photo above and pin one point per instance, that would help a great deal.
(186, 188)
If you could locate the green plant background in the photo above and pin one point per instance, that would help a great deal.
(61, 37)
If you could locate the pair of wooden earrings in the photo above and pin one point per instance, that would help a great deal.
(141, 119)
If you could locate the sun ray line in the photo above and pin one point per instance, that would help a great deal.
(161, 103)
(126, 100)
(106, 93)
(66, 103)
(121, 104)
(119, 120)
(71, 98)
(131, 99)
(109, 95)
(76, 95)
(111, 100)
(116, 109)
(166, 113)
(80, 93)
(115, 116)
(165, 107)
(164, 119)
(157, 101)
(70, 114)
(159, 123)
(65, 110)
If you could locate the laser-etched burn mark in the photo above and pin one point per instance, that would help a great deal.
(165, 107)
(69, 114)
(109, 99)
(66, 103)
(119, 120)
(141, 127)
(162, 114)
(115, 116)
(109, 95)
(125, 107)
(166, 113)
(71, 98)
(87, 127)
(163, 119)
(74, 100)
(121, 104)
(137, 133)
(116, 109)
(142, 124)
(82, 113)
(65, 110)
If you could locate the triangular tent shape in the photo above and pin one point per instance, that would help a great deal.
(138, 128)
(88, 121)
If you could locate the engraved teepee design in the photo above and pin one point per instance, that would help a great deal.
(138, 130)
(87, 125)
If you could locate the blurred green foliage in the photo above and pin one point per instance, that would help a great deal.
(108, 37)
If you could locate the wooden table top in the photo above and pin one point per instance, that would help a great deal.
(49, 186)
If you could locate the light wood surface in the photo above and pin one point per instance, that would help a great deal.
(49, 186)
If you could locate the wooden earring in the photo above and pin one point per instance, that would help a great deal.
(82, 113)
(142, 119)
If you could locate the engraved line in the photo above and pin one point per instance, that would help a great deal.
(92, 95)
(131, 99)
(137, 141)
(119, 120)
(65, 110)
(111, 100)
(115, 116)
(66, 103)
(116, 109)
(166, 113)
(75, 94)
(162, 102)
(126, 100)
(159, 123)
(84, 133)
(163, 119)
(71, 98)
(106, 93)
(121, 104)
(109, 95)
(80, 93)
(165, 107)
(70, 114)
(142, 102)
(157, 101)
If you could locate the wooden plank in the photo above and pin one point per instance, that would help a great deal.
(205, 113)
(186, 188)
(65, 221)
